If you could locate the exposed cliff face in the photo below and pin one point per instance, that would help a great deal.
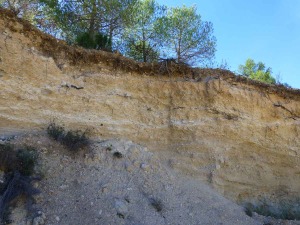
(241, 137)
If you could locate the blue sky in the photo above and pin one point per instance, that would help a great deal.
(264, 30)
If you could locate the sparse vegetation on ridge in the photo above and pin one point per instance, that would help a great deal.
(257, 71)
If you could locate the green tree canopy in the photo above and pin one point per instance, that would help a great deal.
(117, 15)
(98, 41)
(141, 29)
(257, 71)
(92, 16)
(141, 36)
(186, 37)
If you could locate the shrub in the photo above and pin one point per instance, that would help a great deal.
(55, 131)
(22, 160)
(26, 160)
(98, 41)
(73, 140)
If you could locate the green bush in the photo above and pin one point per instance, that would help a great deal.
(73, 140)
(22, 160)
(98, 41)
(27, 159)
(55, 131)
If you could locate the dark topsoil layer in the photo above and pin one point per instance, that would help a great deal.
(77, 56)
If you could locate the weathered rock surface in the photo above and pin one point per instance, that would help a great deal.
(241, 138)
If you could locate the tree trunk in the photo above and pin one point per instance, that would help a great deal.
(92, 28)
(144, 52)
(179, 48)
(110, 35)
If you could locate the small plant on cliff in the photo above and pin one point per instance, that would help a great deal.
(27, 158)
(22, 160)
(257, 71)
(94, 41)
(73, 140)
(55, 131)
